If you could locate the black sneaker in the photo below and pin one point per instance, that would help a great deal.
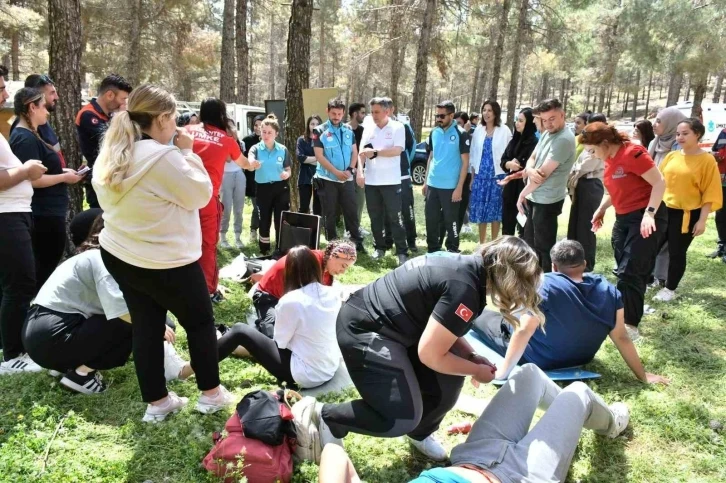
(92, 383)
(216, 297)
(718, 253)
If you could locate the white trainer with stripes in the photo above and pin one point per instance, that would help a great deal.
(22, 363)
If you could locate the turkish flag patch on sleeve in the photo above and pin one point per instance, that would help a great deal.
(464, 313)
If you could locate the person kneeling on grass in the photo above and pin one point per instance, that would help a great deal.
(80, 324)
(304, 349)
(581, 309)
(501, 447)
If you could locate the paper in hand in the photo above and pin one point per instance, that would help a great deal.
(521, 219)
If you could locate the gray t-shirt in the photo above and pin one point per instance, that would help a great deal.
(559, 147)
(82, 285)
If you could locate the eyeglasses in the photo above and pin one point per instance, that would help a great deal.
(441, 116)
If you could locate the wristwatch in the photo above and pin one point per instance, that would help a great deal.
(351, 169)
(650, 211)
(375, 154)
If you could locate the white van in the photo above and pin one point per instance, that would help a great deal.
(242, 115)
(714, 119)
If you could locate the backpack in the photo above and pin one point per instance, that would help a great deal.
(257, 441)
(307, 445)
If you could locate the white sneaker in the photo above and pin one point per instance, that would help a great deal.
(466, 229)
(364, 232)
(173, 363)
(210, 405)
(22, 363)
(621, 416)
(326, 436)
(633, 332)
(378, 254)
(346, 235)
(173, 405)
(238, 242)
(430, 447)
(665, 295)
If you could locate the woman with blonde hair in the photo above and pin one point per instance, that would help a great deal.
(151, 193)
(402, 340)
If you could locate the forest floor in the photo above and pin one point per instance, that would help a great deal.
(50, 435)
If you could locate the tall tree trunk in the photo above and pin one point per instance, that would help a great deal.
(717, 88)
(674, 86)
(610, 98)
(516, 58)
(419, 86)
(298, 78)
(587, 99)
(647, 97)
(133, 61)
(602, 94)
(477, 74)
(545, 89)
(397, 47)
(688, 89)
(15, 54)
(499, 49)
(635, 96)
(64, 54)
(242, 48)
(627, 94)
(611, 61)
(321, 52)
(699, 92)
(271, 74)
(226, 72)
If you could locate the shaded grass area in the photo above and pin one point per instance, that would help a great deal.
(101, 438)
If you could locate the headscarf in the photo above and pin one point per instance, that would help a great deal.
(520, 142)
(669, 118)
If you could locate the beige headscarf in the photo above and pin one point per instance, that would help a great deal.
(669, 117)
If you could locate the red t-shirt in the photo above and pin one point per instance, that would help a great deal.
(215, 147)
(623, 178)
(273, 282)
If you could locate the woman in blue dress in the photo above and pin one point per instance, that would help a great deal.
(488, 144)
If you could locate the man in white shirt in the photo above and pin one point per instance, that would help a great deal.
(380, 153)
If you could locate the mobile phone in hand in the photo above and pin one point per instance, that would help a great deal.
(83, 170)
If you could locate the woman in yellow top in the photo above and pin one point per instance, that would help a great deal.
(693, 190)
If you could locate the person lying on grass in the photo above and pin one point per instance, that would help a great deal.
(303, 350)
(501, 447)
(581, 310)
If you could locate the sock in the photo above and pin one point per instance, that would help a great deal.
(81, 373)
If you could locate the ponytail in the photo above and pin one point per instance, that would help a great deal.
(117, 150)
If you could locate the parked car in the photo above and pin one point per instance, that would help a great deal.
(419, 163)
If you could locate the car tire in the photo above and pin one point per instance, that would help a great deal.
(418, 173)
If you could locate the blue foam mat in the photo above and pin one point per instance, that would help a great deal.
(566, 374)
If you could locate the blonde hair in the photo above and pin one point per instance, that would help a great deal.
(271, 121)
(513, 277)
(146, 104)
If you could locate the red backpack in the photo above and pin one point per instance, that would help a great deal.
(236, 455)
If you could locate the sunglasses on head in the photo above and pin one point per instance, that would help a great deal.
(441, 116)
(42, 80)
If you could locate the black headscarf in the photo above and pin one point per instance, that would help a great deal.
(522, 144)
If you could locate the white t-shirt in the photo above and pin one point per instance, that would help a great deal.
(16, 199)
(381, 170)
(305, 324)
(82, 285)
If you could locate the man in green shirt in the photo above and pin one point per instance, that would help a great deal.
(546, 171)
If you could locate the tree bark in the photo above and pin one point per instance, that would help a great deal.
(674, 86)
(15, 54)
(242, 48)
(419, 86)
(271, 73)
(321, 52)
(516, 58)
(717, 88)
(64, 54)
(226, 71)
(475, 84)
(627, 94)
(635, 96)
(298, 78)
(587, 98)
(647, 97)
(699, 92)
(499, 49)
(133, 62)
(397, 47)
(610, 98)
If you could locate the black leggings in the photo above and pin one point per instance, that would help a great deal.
(272, 200)
(510, 194)
(60, 341)
(399, 394)
(17, 279)
(588, 195)
(49, 243)
(306, 194)
(275, 360)
(635, 257)
(149, 294)
(678, 244)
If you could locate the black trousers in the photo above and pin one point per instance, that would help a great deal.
(17, 279)
(678, 244)
(399, 394)
(510, 195)
(588, 195)
(721, 224)
(149, 294)
(265, 307)
(464, 205)
(385, 202)
(272, 200)
(306, 195)
(540, 231)
(635, 258)
(59, 341)
(441, 211)
(91, 197)
(265, 351)
(338, 195)
(408, 216)
(49, 243)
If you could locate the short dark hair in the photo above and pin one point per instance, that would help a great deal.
(355, 107)
(597, 117)
(496, 110)
(184, 119)
(473, 115)
(301, 268)
(549, 105)
(584, 116)
(336, 103)
(462, 115)
(568, 254)
(3, 71)
(384, 102)
(213, 112)
(38, 80)
(696, 126)
(258, 117)
(114, 82)
(448, 105)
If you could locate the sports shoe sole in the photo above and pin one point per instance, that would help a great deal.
(155, 418)
(208, 408)
(78, 388)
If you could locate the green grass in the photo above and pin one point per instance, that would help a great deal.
(101, 438)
